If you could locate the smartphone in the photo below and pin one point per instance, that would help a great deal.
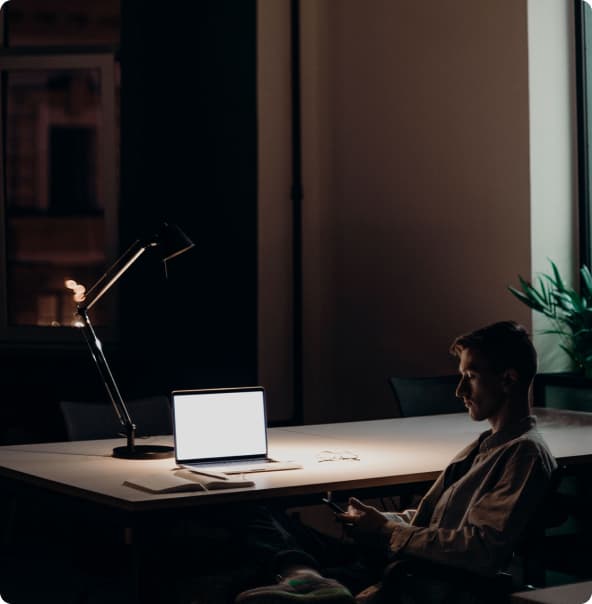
(333, 506)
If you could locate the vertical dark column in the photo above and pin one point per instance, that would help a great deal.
(582, 82)
(297, 196)
(189, 149)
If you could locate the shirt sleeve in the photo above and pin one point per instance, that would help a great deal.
(404, 517)
(494, 522)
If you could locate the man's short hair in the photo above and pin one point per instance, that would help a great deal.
(506, 345)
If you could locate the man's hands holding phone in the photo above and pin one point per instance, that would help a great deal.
(365, 519)
(363, 523)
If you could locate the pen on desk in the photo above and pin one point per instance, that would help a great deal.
(211, 474)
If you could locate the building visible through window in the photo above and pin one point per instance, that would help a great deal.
(60, 152)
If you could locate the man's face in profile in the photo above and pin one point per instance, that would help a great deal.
(480, 387)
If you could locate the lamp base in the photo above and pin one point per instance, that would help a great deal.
(144, 452)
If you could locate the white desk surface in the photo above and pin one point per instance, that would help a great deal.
(571, 593)
(391, 452)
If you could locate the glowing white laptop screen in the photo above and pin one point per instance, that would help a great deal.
(219, 424)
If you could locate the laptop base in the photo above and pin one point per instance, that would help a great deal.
(245, 467)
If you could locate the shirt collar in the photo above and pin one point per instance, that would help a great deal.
(490, 440)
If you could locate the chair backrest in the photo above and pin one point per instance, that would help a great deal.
(552, 513)
(87, 421)
(562, 391)
(426, 395)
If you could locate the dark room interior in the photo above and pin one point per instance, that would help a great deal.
(362, 182)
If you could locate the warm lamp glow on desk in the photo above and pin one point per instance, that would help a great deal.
(170, 241)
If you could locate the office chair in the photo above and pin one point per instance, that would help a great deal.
(426, 395)
(572, 392)
(416, 396)
(88, 421)
(532, 549)
(562, 391)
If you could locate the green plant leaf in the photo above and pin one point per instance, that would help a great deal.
(563, 300)
(556, 332)
(570, 352)
(558, 280)
(569, 309)
(586, 283)
(530, 290)
(544, 292)
(585, 331)
(527, 299)
(576, 300)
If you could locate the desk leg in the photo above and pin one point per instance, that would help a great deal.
(7, 536)
(144, 573)
(128, 535)
(134, 564)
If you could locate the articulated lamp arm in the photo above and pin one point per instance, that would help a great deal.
(112, 275)
(101, 287)
(172, 242)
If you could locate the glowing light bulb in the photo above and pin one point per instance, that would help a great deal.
(77, 288)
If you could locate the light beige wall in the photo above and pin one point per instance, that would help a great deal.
(416, 171)
(553, 142)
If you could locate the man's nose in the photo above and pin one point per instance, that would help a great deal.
(460, 388)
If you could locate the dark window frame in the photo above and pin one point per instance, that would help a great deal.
(583, 60)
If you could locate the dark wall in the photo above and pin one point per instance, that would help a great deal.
(188, 156)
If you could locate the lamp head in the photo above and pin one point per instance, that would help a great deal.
(171, 241)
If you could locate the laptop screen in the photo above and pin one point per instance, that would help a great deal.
(219, 424)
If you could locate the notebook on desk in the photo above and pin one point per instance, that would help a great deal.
(223, 431)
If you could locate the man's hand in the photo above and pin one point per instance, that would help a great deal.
(365, 518)
(366, 525)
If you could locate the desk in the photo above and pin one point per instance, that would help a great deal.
(572, 593)
(391, 452)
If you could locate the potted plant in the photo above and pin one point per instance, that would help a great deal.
(569, 310)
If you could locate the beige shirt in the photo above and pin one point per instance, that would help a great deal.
(477, 509)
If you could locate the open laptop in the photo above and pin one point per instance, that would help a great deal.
(223, 431)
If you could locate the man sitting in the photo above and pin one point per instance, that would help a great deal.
(475, 512)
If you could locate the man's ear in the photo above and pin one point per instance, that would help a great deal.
(510, 378)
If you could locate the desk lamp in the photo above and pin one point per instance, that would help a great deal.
(170, 241)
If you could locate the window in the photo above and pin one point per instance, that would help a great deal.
(58, 159)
